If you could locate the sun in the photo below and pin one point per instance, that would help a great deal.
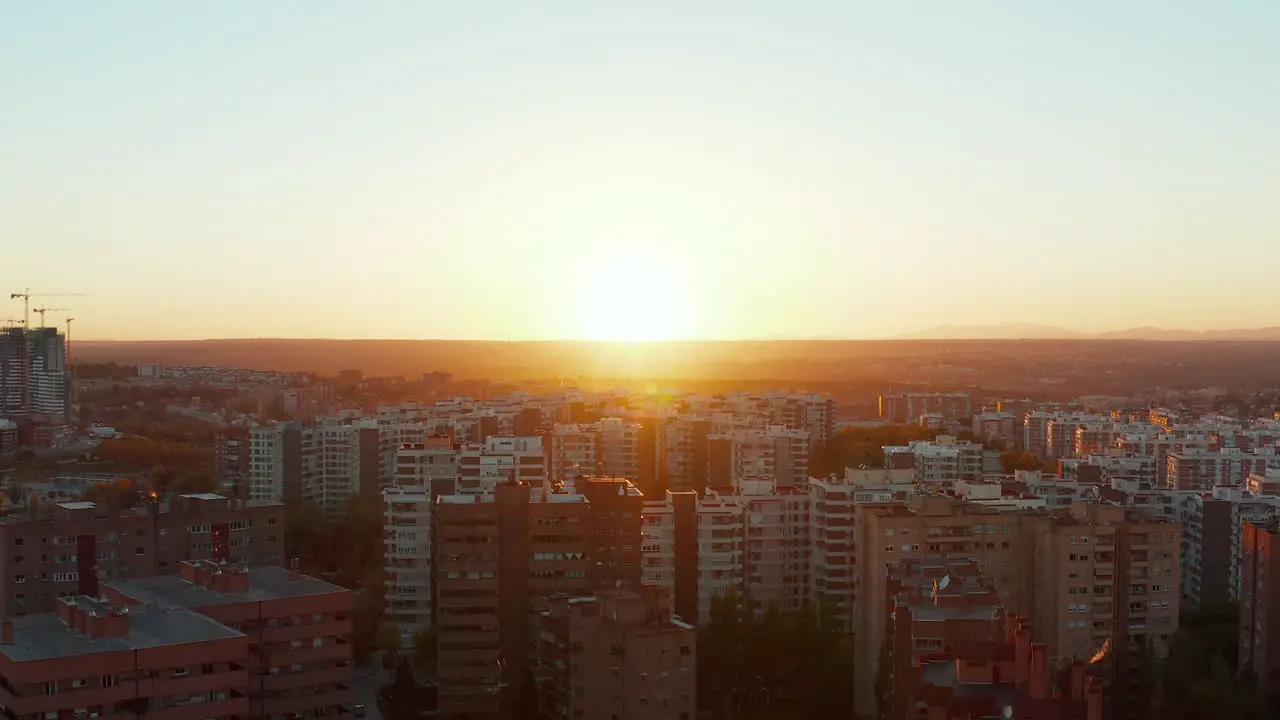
(633, 296)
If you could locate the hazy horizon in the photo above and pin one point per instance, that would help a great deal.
(761, 171)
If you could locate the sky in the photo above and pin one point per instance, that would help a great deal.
(628, 171)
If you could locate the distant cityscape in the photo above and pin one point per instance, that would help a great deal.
(978, 552)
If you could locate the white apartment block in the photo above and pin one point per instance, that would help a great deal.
(322, 464)
(942, 461)
(573, 452)
(498, 459)
(720, 541)
(1212, 550)
(406, 519)
(1203, 469)
(833, 536)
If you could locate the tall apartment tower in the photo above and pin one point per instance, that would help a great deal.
(33, 373)
(1260, 603)
(496, 555)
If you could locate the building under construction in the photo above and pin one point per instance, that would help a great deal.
(34, 378)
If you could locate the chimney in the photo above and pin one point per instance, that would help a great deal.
(1078, 679)
(1094, 694)
(1039, 658)
(6, 632)
(294, 574)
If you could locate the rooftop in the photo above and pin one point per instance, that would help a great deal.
(46, 636)
(265, 583)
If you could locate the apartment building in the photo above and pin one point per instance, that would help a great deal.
(1159, 445)
(498, 459)
(937, 462)
(615, 654)
(33, 373)
(90, 659)
(1105, 572)
(1259, 644)
(496, 555)
(990, 668)
(686, 453)
(774, 452)
(574, 451)
(931, 526)
(1212, 541)
(819, 416)
(693, 546)
(617, 509)
(1204, 469)
(298, 656)
(68, 549)
(908, 407)
(323, 464)
(832, 535)
(1061, 430)
(619, 447)
(231, 456)
(1092, 572)
(997, 426)
(1047, 434)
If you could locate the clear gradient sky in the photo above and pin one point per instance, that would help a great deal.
(713, 169)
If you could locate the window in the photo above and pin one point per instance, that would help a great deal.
(19, 579)
(888, 548)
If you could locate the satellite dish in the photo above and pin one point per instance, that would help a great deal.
(1007, 713)
(946, 580)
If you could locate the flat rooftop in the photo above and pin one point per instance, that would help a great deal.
(265, 583)
(46, 636)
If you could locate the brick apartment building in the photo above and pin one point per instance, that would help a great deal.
(92, 660)
(1085, 575)
(1260, 603)
(952, 650)
(616, 510)
(495, 555)
(615, 654)
(217, 641)
(295, 628)
(66, 549)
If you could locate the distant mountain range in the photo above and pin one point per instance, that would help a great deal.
(1026, 331)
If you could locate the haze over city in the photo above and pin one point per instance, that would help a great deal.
(495, 170)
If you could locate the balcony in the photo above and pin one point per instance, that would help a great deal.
(303, 703)
(340, 675)
(199, 711)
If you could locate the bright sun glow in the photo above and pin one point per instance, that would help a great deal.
(633, 296)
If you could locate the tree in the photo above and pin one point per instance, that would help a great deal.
(1014, 460)
(863, 447)
(762, 663)
(402, 698)
(1199, 677)
(425, 653)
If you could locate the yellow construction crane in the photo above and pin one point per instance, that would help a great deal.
(26, 296)
(43, 310)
